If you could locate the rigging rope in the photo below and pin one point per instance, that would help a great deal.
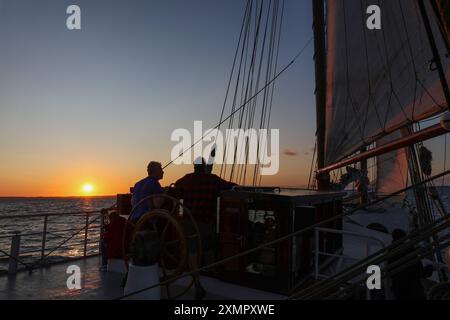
(445, 158)
(246, 21)
(234, 63)
(275, 70)
(258, 91)
(265, 97)
(250, 74)
(312, 166)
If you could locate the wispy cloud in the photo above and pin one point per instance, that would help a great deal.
(290, 153)
(309, 151)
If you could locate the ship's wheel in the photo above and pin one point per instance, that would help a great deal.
(168, 218)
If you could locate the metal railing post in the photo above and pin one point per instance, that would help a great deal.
(368, 295)
(218, 215)
(316, 254)
(317, 231)
(387, 286)
(103, 213)
(86, 227)
(44, 236)
(14, 253)
(181, 210)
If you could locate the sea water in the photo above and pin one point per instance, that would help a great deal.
(59, 228)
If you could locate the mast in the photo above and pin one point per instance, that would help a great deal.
(320, 72)
(434, 49)
(442, 17)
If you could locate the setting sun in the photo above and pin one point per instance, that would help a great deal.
(88, 188)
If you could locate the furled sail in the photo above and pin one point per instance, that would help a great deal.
(378, 80)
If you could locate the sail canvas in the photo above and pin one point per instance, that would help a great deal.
(378, 80)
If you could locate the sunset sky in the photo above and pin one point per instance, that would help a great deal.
(95, 106)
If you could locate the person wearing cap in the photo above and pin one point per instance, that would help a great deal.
(146, 187)
(407, 282)
(199, 191)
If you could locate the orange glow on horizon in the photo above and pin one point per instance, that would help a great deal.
(110, 178)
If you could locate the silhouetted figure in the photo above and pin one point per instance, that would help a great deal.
(407, 284)
(200, 190)
(114, 236)
(146, 187)
(103, 245)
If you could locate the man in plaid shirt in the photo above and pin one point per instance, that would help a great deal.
(199, 191)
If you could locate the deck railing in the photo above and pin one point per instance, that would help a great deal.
(65, 242)
(366, 239)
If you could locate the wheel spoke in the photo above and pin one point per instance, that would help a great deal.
(171, 256)
(163, 267)
(171, 243)
(193, 236)
(163, 233)
(167, 222)
(175, 206)
(153, 203)
(169, 295)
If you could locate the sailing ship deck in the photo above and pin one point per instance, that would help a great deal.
(49, 283)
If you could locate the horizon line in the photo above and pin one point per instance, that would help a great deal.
(76, 196)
